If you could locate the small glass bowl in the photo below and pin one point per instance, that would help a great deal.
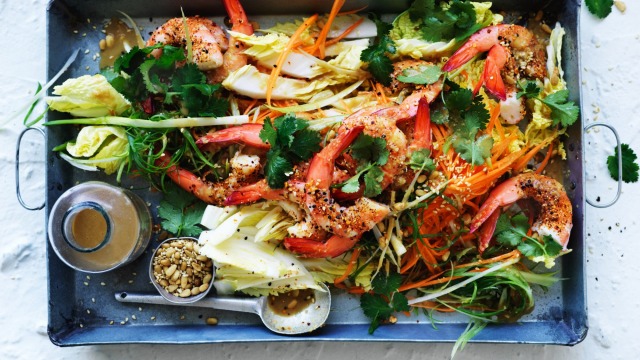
(164, 292)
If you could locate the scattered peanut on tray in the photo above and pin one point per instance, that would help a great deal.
(180, 269)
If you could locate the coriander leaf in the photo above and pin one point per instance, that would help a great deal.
(372, 180)
(510, 231)
(459, 99)
(178, 215)
(376, 55)
(188, 74)
(399, 302)
(473, 151)
(629, 165)
(277, 169)
(551, 247)
(268, 133)
(423, 75)
(287, 125)
(171, 216)
(530, 90)
(450, 20)
(170, 56)
(562, 111)
(464, 13)
(368, 148)
(192, 218)
(520, 224)
(439, 114)
(305, 143)
(379, 65)
(419, 9)
(386, 285)
(375, 308)
(290, 141)
(530, 249)
(599, 8)
(352, 185)
(130, 60)
(421, 160)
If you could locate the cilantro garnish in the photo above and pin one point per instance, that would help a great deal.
(599, 8)
(385, 299)
(290, 142)
(372, 153)
(180, 212)
(159, 85)
(421, 160)
(468, 115)
(474, 151)
(422, 75)
(530, 90)
(629, 165)
(513, 232)
(377, 54)
(445, 21)
(563, 111)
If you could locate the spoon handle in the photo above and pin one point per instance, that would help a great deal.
(252, 305)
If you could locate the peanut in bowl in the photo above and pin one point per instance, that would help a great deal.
(179, 272)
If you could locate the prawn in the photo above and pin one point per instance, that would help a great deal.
(347, 222)
(234, 58)
(555, 216)
(244, 169)
(382, 123)
(513, 52)
(208, 40)
(248, 134)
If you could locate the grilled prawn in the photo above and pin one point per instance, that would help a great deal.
(555, 216)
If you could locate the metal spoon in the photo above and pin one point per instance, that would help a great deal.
(306, 320)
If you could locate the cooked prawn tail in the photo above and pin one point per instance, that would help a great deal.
(491, 76)
(486, 231)
(184, 178)
(248, 134)
(323, 163)
(332, 247)
(478, 43)
(238, 17)
(504, 194)
(422, 131)
(252, 193)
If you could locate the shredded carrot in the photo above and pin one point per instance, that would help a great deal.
(273, 77)
(494, 117)
(345, 33)
(409, 259)
(320, 43)
(544, 162)
(509, 255)
(433, 306)
(520, 164)
(347, 271)
(352, 11)
(250, 106)
(382, 97)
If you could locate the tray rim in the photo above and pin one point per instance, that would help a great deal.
(83, 336)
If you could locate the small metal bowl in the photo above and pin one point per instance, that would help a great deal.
(166, 294)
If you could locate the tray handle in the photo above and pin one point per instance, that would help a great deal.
(619, 152)
(18, 194)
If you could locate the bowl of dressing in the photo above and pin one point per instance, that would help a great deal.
(96, 227)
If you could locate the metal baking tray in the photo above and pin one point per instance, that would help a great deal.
(82, 308)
